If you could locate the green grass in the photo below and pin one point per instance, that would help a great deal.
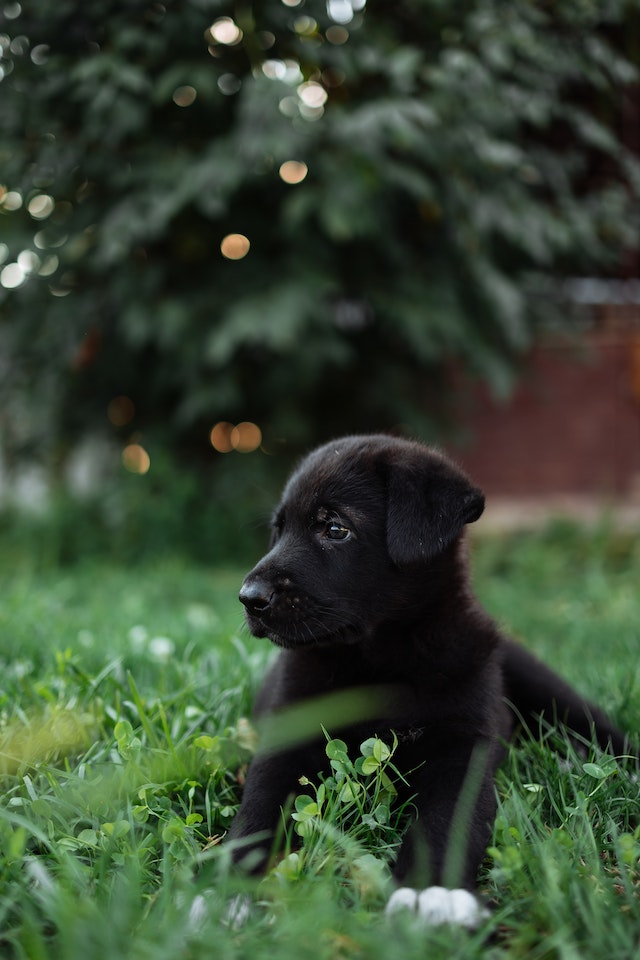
(123, 742)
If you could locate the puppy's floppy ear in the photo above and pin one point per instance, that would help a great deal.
(429, 502)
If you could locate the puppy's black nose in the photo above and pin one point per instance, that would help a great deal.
(255, 595)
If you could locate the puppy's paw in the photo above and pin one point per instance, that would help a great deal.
(234, 915)
(199, 910)
(437, 905)
(237, 911)
(404, 898)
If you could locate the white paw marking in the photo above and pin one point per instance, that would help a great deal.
(404, 898)
(237, 911)
(198, 911)
(235, 914)
(437, 905)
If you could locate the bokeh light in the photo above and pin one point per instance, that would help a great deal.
(343, 11)
(135, 459)
(41, 206)
(184, 96)
(228, 84)
(10, 199)
(220, 437)
(340, 11)
(266, 39)
(235, 246)
(274, 69)
(12, 276)
(46, 238)
(305, 26)
(49, 266)
(226, 31)
(312, 94)
(244, 437)
(121, 411)
(29, 262)
(332, 77)
(337, 35)
(286, 70)
(293, 171)
(40, 54)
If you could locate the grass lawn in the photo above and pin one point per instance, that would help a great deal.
(123, 739)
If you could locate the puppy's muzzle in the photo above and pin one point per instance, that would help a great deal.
(256, 596)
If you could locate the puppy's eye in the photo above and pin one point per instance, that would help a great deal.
(335, 531)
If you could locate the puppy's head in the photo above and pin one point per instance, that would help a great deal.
(361, 528)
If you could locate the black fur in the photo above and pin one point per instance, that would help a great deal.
(366, 589)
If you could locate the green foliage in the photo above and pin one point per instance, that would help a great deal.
(356, 794)
(174, 509)
(461, 159)
(567, 827)
(348, 826)
(121, 711)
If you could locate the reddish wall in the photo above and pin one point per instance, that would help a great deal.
(571, 427)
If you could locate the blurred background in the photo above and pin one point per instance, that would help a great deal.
(230, 230)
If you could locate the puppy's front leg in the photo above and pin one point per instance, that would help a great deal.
(254, 830)
(441, 854)
(271, 779)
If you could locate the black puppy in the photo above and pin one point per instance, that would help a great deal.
(366, 588)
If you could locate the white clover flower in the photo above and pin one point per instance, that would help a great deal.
(138, 637)
(161, 648)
